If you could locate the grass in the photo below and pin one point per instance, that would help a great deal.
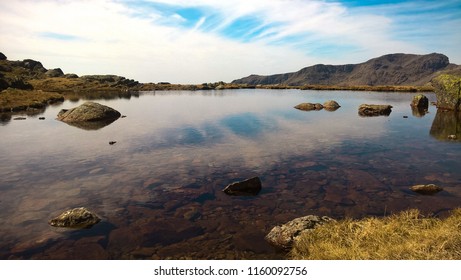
(404, 236)
(19, 100)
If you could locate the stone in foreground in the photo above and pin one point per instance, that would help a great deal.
(285, 235)
(371, 110)
(247, 187)
(88, 112)
(426, 189)
(309, 106)
(75, 218)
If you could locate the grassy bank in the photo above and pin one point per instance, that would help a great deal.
(403, 236)
(12, 100)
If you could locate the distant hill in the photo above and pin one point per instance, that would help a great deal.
(391, 69)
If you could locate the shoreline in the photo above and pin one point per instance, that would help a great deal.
(57, 90)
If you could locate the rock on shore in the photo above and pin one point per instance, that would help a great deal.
(448, 91)
(284, 235)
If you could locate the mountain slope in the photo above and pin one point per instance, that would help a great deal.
(391, 69)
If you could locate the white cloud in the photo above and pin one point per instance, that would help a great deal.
(142, 42)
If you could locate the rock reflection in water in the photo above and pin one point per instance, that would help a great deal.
(445, 124)
(159, 190)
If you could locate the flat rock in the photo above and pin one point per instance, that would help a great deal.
(426, 189)
(309, 106)
(250, 186)
(284, 235)
(368, 110)
(75, 218)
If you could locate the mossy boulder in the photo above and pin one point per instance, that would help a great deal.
(448, 90)
(420, 101)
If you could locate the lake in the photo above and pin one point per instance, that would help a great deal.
(158, 189)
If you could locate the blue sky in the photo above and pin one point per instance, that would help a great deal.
(199, 41)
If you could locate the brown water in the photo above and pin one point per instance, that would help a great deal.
(158, 189)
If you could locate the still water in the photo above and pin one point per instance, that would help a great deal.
(159, 192)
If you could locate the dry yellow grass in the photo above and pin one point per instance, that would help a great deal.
(18, 100)
(403, 236)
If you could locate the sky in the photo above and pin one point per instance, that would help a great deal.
(198, 41)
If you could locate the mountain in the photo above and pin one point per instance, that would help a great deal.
(391, 69)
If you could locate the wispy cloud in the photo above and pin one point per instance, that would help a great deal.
(205, 40)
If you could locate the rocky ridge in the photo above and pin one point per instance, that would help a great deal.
(391, 69)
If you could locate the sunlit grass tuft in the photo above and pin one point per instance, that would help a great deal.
(403, 236)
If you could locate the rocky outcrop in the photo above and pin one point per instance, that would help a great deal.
(2, 56)
(57, 72)
(309, 106)
(88, 112)
(420, 101)
(370, 110)
(391, 69)
(448, 91)
(110, 80)
(426, 189)
(247, 187)
(75, 218)
(284, 235)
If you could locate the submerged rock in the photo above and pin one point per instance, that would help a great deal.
(75, 218)
(309, 106)
(369, 110)
(250, 186)
(89, 115)
(420, 101)
(448, 91)
(284, 235)
(426, 189)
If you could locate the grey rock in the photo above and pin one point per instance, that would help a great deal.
(248, 187)
(88, 112)
(368, 110)
(285, 235)
(75, 218)
(57, 72)
(2, 56)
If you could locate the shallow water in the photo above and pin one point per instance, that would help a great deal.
(158, 189)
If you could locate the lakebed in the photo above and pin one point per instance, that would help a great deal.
(158, 189)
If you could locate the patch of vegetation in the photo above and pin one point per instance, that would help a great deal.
(20, 100)
(404, 236)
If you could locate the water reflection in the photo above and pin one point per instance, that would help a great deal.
(91, 125)
(418, 111)
(446, 124)
(159, 189)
